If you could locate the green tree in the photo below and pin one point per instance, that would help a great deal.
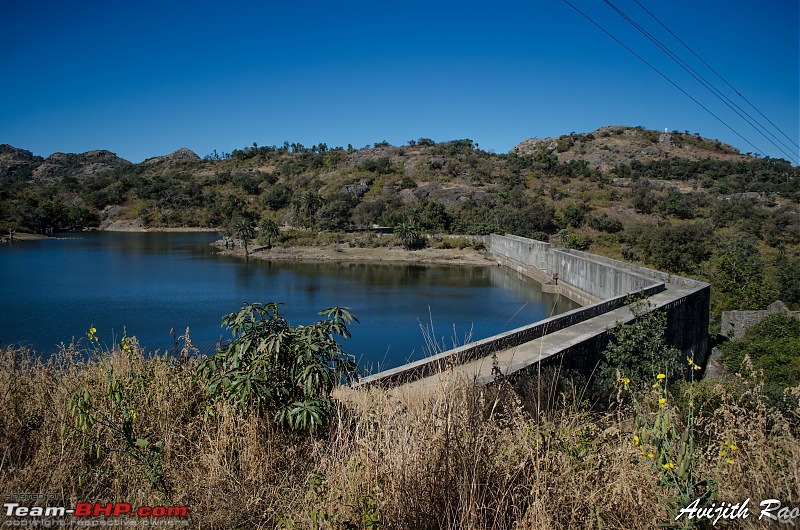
(244, 230)
(408, 234)
(277, 197)
(305, 206)
(268, 229)
(574, 216)
(787, 278)
(272, 368)
(737, 275)
(671, 247)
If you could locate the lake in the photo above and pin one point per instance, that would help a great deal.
(149, 283)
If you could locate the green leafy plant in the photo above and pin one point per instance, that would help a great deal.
(638, 349)
(272, 368)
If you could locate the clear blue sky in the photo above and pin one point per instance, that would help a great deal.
(144, 78)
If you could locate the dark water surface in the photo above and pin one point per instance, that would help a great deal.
(54, 290)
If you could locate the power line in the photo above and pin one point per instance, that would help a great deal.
(656, 70)
(703, 81)
(717, 74)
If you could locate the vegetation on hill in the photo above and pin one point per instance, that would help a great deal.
(685, 204)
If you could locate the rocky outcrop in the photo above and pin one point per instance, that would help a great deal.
(71, 164)
(610, 146)
(17, 163)
(183, 153)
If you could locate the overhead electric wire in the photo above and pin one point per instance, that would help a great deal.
(656, 70)
(717, 74)
(708, 85)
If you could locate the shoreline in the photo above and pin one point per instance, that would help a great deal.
(136, 226)
(326, 253)
(337, 253)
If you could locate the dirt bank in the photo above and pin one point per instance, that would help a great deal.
(432, 256)
(135, 225)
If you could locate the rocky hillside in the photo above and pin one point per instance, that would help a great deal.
(181, 154)
(21, 164)
(610, 146)
(17, 164)
(606, 179)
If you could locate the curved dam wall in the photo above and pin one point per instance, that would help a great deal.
(576, 338)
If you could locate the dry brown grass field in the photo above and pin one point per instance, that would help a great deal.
(528, 456)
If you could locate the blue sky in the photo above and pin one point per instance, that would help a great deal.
(143, 79)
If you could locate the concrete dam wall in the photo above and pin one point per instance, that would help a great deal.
(575, 339)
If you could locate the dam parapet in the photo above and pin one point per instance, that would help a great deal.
(602, 286)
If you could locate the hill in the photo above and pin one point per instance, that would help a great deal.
(595, 186)
(610, 146)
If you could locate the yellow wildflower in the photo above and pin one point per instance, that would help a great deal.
(661, 377)
(731, 461)
(734, 448)
(133, 414)
(636, 440)
(650, 455)
(662, 402)
(669, 465)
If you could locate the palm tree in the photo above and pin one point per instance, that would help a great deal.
(306, 205)
(269, 229)
(408, 234)
(245, 231)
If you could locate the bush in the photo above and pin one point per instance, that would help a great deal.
(604, 223)
(270, 367)
(638, 350)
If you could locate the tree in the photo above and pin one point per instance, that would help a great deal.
(269, 229)
(574, 216)
(737, 275)
(306, 205)
(244, 230)
(408, 234)
(671, 247)
(272, 368)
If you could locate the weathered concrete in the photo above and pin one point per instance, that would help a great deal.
(574, 338)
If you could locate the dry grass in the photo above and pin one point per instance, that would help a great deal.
(456, 457)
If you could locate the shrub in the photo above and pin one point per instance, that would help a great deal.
(270, 367)
(604, 223)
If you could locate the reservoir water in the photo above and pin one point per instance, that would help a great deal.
(150, 283)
